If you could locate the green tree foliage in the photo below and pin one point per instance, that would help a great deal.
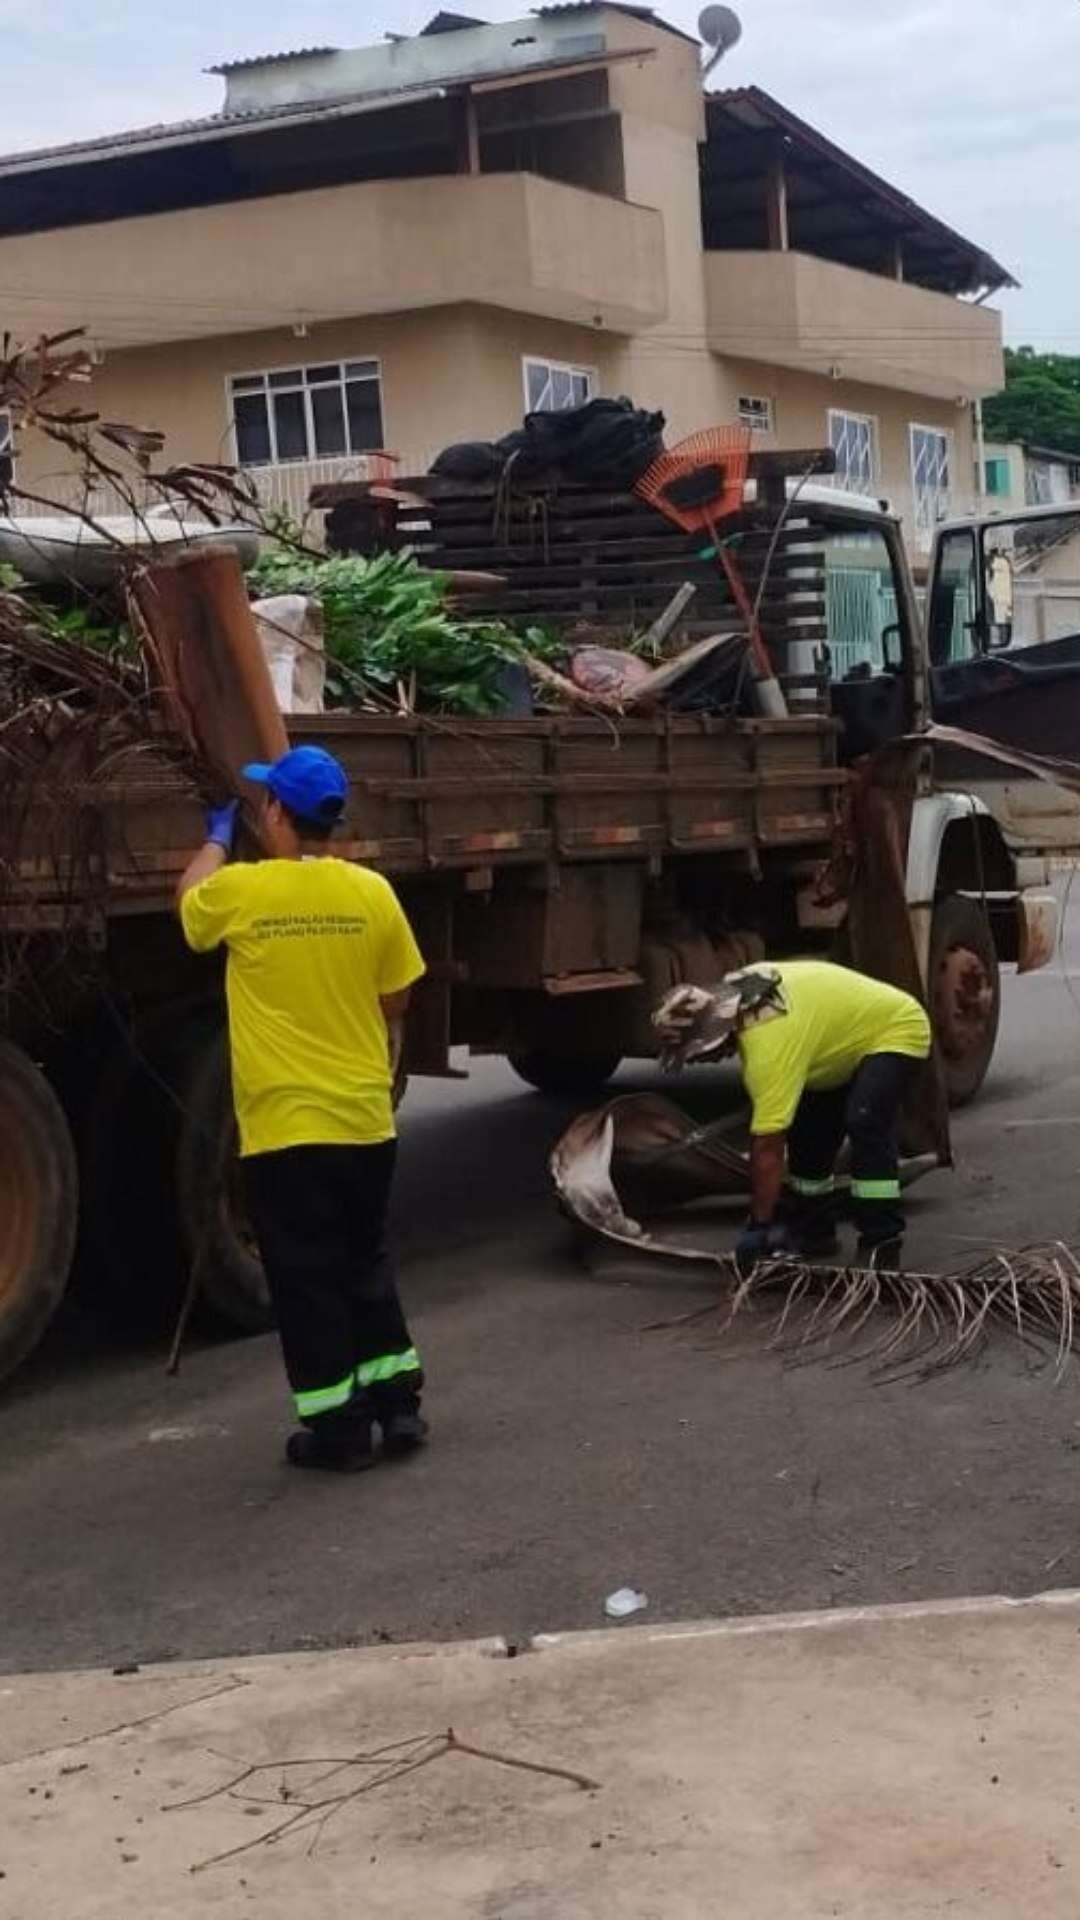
(1041, 401)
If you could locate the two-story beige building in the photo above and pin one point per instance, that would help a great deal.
(407, 244)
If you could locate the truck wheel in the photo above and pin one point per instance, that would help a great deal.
(38, 1205)
(566, 1074)
(965, 994)
(211, 1211)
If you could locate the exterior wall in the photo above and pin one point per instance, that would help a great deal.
(801, 405)
(1016, 498)
(456, 374)
(459, 277)
(1037, 479)
(450, 374)
(811, 313)
(512, 240)
(663, 119)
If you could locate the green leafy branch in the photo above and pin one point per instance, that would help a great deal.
(388, 624)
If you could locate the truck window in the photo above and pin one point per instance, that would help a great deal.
(867, 650)
(861, 606)
(953, 627)
(1032, 573)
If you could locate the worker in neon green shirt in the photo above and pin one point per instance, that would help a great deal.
(320, 962)
(826, 1053)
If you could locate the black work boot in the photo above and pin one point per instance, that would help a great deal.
(812, 1229)
(337, 1445)
(404, 1428)
(817, 1240)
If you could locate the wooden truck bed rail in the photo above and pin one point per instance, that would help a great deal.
(430, 795)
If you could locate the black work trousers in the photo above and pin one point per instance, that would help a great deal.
(866, 1110)
(320, 1216)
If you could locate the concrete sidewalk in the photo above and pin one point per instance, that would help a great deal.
(879, 1764)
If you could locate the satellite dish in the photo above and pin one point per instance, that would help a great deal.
(721, 29)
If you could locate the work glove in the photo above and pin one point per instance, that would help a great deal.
(221, 825)
(757, 1243)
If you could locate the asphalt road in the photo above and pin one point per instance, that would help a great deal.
(574, 1451)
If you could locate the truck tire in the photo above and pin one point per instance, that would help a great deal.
(38, 1205)
(965, 994)
(211, 1212)
(573, 1075)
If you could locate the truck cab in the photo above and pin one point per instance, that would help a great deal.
(992, 650)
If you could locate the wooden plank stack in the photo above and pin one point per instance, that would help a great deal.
(569, 555)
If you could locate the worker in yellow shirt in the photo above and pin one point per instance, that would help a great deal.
(320, 960)
(826, 1053)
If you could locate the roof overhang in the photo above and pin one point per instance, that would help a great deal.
(842, 207)
(232, 126)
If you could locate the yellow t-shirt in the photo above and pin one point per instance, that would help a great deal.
(835, 1019)
(312, 946)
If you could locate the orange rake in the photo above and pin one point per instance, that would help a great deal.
(695, 484)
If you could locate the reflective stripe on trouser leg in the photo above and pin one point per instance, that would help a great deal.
(878, 1210)
(324, 1399)
(811, 1189)
(375, 1373)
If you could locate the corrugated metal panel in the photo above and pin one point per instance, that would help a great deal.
(177, 132)
(271, 59)
(751, 107)
(180, 132)
(561, 8)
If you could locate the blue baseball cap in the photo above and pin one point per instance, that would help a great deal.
(307, 780)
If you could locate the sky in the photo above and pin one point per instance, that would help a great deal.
(970, 106)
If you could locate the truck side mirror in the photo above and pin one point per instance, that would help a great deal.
(1001, 594)
(892, 662)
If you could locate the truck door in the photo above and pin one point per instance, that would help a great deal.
(1003, 638)
(870, 652)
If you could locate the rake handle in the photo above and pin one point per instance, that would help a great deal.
(759, 653)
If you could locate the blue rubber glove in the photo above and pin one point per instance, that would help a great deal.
(221, 825)
(757, 1243)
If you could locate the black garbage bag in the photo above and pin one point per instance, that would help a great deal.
(469, 460)
(604, 443)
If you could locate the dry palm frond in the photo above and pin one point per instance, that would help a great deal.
(910, 1326)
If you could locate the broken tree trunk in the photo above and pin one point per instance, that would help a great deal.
(196, 620)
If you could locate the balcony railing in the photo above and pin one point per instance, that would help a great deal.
(284, 488)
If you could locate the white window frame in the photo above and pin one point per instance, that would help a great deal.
(931, 504)
(866, 426)
(756, 411)
(306, 389)
(588, 374)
